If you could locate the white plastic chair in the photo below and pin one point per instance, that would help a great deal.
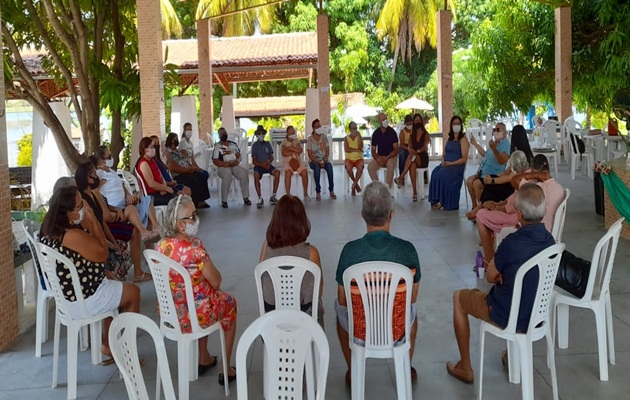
(31, 229)
(377, 282)
(123, 334)
(131, 182)
(323, 172)
(596, 298)
(474, 129)
(51, 261)
(287, 336)
(520, 344)
(187, 350)
(549, 129)
(559, 217)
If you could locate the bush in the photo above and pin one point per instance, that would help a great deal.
(25, 151)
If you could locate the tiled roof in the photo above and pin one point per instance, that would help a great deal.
(286, 105)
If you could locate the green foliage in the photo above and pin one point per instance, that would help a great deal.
(125, 158)
(25, 150)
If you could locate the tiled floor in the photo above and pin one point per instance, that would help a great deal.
(446, 243)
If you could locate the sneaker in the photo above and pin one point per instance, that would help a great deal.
(273, 200)
(247, 201)
(224, 204)
(260, 202)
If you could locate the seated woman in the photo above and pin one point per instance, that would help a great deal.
(499, 187)
(447, 178)
(286, 236)
(318, 153)
(353, 146)
(117, 232)
(291, 150)
(418, 156)
(177, 187)
(187, 149)
(128, 207)
(180, 243)
(149, 174)
(186, 173)
(71, 228)
(403, 142)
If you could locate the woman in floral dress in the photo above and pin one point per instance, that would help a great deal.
(181, 224)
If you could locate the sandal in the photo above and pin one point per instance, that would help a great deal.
(333, 196)
(415, 198)
(358, 188)
(398, 183)
(436, 206)
(142, 278)
(202, 369)
(318, 197)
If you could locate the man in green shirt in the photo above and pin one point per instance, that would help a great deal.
(377, 245)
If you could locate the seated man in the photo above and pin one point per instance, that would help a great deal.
(262, 157)
(227, 157)
(376, 245)
(516, 249)
(384, 149)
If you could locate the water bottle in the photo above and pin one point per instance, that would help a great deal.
(479, 265)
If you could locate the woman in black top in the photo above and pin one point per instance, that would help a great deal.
(418, 155)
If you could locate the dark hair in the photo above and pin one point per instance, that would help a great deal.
(100, 152)
(314, 121)
(158, 155)
(540, 163)
(451, 134)
(94, 160)
(81, 175)
(56, 220)
(418, 115)
(408, 118)
(289, 224)
(350, 123)
(184, 129)
(219, 130)
(170, 139)
(519, 142)
(289, 127)
(142, 146)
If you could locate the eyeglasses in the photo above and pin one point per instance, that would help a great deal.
(193, 217)
(496, 129)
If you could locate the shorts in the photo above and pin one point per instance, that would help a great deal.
(261, 171)
(353, 164)
(106, 298)
(474, 302)
(287, 167)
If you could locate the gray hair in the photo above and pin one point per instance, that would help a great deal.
(518, 162)
(530, 201)
(377, 204)
(172, 215)
(63, 182)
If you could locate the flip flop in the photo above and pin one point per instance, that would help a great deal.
(145, 277)
(107, 362)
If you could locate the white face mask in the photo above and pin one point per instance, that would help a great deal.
(109, 163)
(150, 152)
(192, 229)
(320, 131)
(457, 128)
(409, 127)
(292, 137)
(188, 134)
(385, 123)
(81, 216)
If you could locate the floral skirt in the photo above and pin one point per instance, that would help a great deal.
(218, 306)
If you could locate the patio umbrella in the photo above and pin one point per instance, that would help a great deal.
(415, 103)
(361, 110)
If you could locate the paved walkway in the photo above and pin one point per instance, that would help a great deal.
(446, 243)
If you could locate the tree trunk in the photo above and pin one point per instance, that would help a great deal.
(117, 143)
(396, 53)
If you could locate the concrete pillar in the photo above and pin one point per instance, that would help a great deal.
(184, 109)
(8, 298)
(150, 66)
(564, 73)
(48, 163)
(227, 114)
(312, 110)
(206, 106)
(445, 70)
(136, 136)
(323, 71)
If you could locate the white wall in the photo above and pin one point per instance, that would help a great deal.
(184, 109)
(312, 110)
(227, 114)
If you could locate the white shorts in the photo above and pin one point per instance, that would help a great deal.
(106, 298)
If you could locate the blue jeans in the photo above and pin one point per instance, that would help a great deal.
(402, 159)
(317, 172)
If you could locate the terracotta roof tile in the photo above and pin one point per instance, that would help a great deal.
(286, 105)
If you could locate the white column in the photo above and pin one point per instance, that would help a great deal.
(312, 110)
(227, 114)
(183, 110)
(48, 164)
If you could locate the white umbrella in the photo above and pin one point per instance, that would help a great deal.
(361, 110)
(415, 103)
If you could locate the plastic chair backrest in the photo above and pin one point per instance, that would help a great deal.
(377, 282)
(123, 334)
(130, 181)
(141, 184)
(51, 261)
(602, 263)
(547, 263)
(286, 274)
(550, 130)
(559, 217)
(287, 336)
(572, 129)
(160, 267)
(474, 123)
(31, 229)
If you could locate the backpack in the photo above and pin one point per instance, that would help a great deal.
(581, 147)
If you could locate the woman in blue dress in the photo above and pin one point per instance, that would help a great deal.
(447, 178)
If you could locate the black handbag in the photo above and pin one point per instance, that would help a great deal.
(573, 274)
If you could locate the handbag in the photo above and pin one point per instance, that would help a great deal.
(119, 261)
(573, 274)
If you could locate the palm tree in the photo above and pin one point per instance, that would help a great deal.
(170, 21)
(409, 24)
(241, 23)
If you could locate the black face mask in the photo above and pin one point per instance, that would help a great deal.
(96, 182)
(157, 148)
(175, 144)
(223, 138)
(417, 127)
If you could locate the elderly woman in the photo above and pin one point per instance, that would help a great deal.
(353, 146)
(185, 172)
(180, 243)
(318, 153)
(286, 236)
(291, 150)
(71, 228)
(149, 174)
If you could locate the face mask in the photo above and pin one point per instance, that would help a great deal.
(417, 127)
(109, 163)
(150, 152)
(157, 147)
(385, 123)
(260, 137)
(223, 138)
(81, 216)
(292, 137)
(188, 134)
(457, 128)
(319, 131)
(175, 144)
(409, 127)
(96, 183)
(192, 229)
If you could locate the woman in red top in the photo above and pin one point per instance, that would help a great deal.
(149, 174)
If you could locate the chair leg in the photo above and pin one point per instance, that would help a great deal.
(73, 341)
(183, 367)
(401, 374)
(194, 361)
(514, 364)
(527, 369)
(563, 325)
(609, 329)
(225, 360)
(310, 374)
(41, 329)
(358, 373)
(602, 348)
(158, 382)
(56, 351)
(551, 361)
(84, 338)
(96, 330)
